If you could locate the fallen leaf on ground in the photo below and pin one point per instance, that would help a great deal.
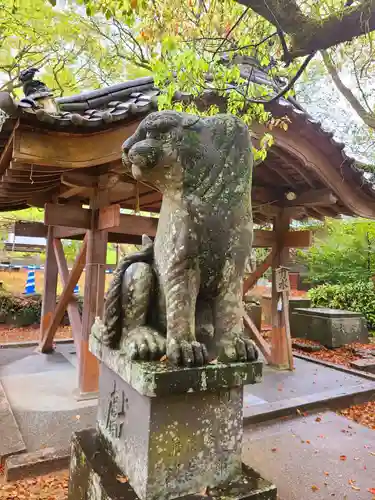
(314, 488)
(343, 458)
(274, 449)
(318, 419)
(326, 473)
(371, 490)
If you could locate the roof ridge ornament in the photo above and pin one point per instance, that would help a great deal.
(37, 94)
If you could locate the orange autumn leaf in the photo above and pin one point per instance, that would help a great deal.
(122, 479)
(371, 490)
(343, 458)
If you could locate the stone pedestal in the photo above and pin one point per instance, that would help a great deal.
(165, 433)
(331, 327)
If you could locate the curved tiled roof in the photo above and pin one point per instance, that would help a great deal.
(130, 101)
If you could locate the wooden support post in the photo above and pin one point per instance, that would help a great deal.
(46, 344)
(73, 312)
(279, 343)
(93, 303)
(50, 286)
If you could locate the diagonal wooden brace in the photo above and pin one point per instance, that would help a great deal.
(46, 344)
(72, 307)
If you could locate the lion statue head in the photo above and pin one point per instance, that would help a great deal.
(205, 156)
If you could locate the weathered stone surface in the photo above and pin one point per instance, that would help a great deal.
(330, 327)
(297, 303)
(366, 365)
(187, 286)
(94, 476)
(10, 436)
(160, 379)
(172, 445)
(36, 463)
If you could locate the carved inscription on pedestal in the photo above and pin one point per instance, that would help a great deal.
(116, 412)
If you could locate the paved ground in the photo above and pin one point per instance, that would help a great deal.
(309, 382)
(40, 390)
(317, 457)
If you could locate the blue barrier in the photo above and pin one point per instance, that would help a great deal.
(30, 283)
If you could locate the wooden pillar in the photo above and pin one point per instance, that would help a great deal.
(50, 287)
(279, 343)
(93, 303)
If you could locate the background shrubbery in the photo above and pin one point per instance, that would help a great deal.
(22, 311)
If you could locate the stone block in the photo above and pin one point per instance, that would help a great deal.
(36, 463)
(162, 379)
(179, 443)
(172, 431)
(11, 441)
(366, 365)
(297, 303)
(95, 476)
(331, 327)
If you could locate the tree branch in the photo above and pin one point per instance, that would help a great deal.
(368, 118)
(310, 35)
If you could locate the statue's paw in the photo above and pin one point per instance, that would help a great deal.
(185, 353)
(238, 349)
(143, 343)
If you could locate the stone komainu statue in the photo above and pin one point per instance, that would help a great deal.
(182, 294)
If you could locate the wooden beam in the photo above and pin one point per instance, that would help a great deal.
(65, 194)
(136, 225)
(7, 153)
(65, 298)
(255, 334)
(77, 217)
(67, 215)
(30, 229)
(44, 147)
(73, 312)
(313, 198)
(67, 233)
(109, 217)
(293, 239)
(81, 179)
(50, 284)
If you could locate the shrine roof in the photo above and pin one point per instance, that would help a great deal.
(305, 157)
